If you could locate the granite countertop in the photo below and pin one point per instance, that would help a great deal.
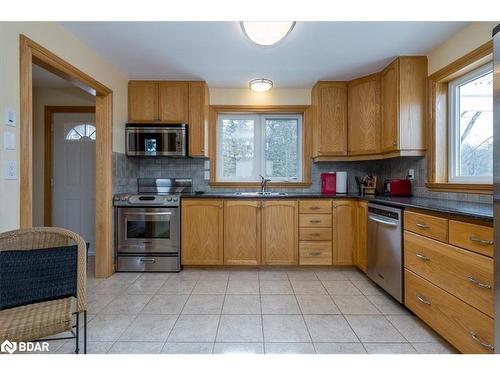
(482, 211)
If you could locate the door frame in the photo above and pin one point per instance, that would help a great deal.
(49, 112)
(32, 53)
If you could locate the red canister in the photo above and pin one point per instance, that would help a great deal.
(328, 183)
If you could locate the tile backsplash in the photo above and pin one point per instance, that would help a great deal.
(126, 170)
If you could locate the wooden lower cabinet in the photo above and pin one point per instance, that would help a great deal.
(362, 217)
(466, 328)
(242, 232)
(279, 232)
(344, 221)
(202, 232)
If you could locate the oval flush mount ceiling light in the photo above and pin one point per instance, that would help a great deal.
(266, 34)
(261, 84)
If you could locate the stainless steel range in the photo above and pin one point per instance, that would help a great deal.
(147, 226)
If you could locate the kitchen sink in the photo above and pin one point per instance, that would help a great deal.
(260, 194)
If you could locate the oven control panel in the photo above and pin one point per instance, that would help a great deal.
(141, 200)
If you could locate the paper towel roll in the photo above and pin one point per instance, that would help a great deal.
(341, 182)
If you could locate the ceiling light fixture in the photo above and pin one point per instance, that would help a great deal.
(266, 34)
(261, 84)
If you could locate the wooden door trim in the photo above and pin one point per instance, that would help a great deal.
(49, 112)
(32, 53)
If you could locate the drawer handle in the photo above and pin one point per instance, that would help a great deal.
(315, 221)
(422, 256)
(316, 253)
(314, 234)
(474, 281)
(480, 241)
(422, 225)
(484, 344)
(314, 208)
(423, 300)
(148, 260)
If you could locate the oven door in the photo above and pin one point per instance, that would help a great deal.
(156, 141)
(148, 230)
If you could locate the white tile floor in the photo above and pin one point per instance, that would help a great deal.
(262, 310)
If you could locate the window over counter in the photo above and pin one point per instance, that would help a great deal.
(471, 127)
(460, 137)
(253, 144)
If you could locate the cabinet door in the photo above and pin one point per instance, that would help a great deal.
(361, 231)
(198, 119)
(241, 232)
(173, 101)
(344, 232)
(389, 89)
(280, 232)
(329, 101)
(364, 115)
(142, 101)
(202, 232)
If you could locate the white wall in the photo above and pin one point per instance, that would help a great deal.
(64, 44)
(231, 96)
(45, 97)
(463, 42)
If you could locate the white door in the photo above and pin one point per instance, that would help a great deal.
(73, 174)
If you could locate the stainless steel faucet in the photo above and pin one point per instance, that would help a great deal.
(263, 184)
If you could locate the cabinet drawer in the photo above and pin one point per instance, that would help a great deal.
(466, 328)
(478, 238)
(426, 225)
(315, 234)
(313, 220)
(466, 275)
(315, 207)
(315, 252)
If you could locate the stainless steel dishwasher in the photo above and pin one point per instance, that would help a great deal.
(385, 248)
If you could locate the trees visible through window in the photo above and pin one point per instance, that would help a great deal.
(471, 127)
(249, 145)
(81, 132)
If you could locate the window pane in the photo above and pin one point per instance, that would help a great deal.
(282, 147)
(475, 138)
(238, 148)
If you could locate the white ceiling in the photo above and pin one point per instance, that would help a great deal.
(219, 53)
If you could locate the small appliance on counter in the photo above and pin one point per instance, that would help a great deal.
(397, 187)
(341, 182)
(328, 183)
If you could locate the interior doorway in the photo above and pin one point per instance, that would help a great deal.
(31, 54)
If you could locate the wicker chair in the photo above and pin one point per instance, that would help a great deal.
(34, 321)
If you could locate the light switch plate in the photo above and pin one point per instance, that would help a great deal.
(411, 174)
(9, 140)
(207, 175)
(10, 117)
(11, 170)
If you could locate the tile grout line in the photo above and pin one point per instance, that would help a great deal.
(220, 314)
(179, 315)
(302, 314)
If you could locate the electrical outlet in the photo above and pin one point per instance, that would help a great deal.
(10, 170)
(411, 174)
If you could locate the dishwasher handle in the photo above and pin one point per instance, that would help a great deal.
(385, 222)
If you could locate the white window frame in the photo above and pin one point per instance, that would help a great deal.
(259, 146)
(454, 127)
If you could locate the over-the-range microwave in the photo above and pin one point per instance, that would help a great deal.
(156, 140)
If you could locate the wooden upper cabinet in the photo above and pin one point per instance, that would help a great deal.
(242, 232)
(344, 231)
(364, 115)
(279, 232)
(329, 109)
(389, 90)
(198, 119)
(173, 102)
(142, 101)
(202, 232)
(404, 103)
